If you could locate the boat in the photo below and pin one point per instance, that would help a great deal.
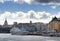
(17, 31)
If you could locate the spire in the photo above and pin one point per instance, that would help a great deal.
(30, 22)
(5, 23)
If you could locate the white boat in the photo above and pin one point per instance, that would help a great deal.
(17, 31)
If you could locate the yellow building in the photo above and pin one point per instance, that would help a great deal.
(54, 24)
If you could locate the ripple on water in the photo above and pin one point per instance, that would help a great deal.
(7, 37)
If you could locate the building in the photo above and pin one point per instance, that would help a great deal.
(5, 28)
(5, 23)
(54, 24)
(28, 26)
(41, 26)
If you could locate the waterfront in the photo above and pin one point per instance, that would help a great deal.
(9, 37)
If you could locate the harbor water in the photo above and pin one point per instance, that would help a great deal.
(9, 37)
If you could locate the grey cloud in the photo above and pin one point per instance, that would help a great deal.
(45, 16)
(48, 1)
(32, 16)
(33, 1)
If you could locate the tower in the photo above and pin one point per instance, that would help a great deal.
(30, 22)
(15, 24)
(5, 23)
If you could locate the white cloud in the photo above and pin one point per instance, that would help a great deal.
(32, 14)
(2, 1)
(58, 15)
(29, 1)
(19, 1)
(25, 17)
(53, 7)
(33, 1)
(5, 0)
(5, 15)
(26, 1)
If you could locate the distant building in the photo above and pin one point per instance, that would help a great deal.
(5, 28)
(54, 25)
(30, 22)
(15, 24)
(30, 27)
(5, 23)
(41, 26)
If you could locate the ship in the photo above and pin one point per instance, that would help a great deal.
(17, 31)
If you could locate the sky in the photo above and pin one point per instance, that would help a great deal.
(24, 11)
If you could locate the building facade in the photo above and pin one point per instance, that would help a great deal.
(54, 24)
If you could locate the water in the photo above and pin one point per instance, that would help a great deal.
(8, 37)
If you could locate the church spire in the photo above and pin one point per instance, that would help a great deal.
(5, 23)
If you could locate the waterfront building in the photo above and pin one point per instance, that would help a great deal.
(41, 26)
(5, 25)
(5, 22)
(54, 24)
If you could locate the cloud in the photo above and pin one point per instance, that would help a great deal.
(53, 7)
(32, 15)
(34, 1)
(38, 1)
(48, 1)
(25, 17)
(29, 1)
(22, 17)
(5, 0)
(26, 1)
(20, 1)
(1, 0)
(43, 1)
(58, 15)
(45, 15)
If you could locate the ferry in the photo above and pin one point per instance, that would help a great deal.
(17, 31)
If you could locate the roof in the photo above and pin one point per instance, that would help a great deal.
(55, 19)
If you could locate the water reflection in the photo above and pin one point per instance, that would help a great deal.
(4, 37)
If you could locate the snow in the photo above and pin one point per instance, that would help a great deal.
(9, 37)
